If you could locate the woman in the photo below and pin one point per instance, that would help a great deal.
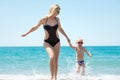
(51, 25)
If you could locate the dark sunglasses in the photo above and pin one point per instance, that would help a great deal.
(58, 11)
(80, 42)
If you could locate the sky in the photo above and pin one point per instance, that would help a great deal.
(96, 21)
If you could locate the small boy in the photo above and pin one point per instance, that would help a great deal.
(80, 55)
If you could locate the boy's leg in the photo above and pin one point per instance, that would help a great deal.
(77, 71)
(83, 69)
(77, 68)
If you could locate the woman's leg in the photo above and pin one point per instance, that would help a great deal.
(51, 55)
(56, 51)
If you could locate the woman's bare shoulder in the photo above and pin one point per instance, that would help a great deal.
(57, 18)
(44, 17)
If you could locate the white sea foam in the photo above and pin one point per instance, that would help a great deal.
(60, 77)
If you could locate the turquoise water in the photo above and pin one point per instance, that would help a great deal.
(34, 60)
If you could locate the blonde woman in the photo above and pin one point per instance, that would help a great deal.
(51, 25)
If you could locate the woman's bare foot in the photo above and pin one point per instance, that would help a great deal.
(51, 78)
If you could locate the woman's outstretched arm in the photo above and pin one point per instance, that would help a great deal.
(35, 27)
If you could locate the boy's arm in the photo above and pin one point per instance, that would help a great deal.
(89, 54)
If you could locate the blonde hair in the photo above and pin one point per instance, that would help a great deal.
(53, 9)
(79, 40)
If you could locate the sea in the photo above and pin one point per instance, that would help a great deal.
(32, 63)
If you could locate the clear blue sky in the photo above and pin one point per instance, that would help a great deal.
(96, 21)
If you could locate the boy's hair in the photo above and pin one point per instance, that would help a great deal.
(79, 40)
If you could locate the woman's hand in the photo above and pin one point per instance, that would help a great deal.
(23, 35)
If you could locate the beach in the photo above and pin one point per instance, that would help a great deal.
(32, 63)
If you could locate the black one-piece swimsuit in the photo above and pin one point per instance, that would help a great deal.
(52, 39)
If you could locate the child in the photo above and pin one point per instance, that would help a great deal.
(80, 55)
